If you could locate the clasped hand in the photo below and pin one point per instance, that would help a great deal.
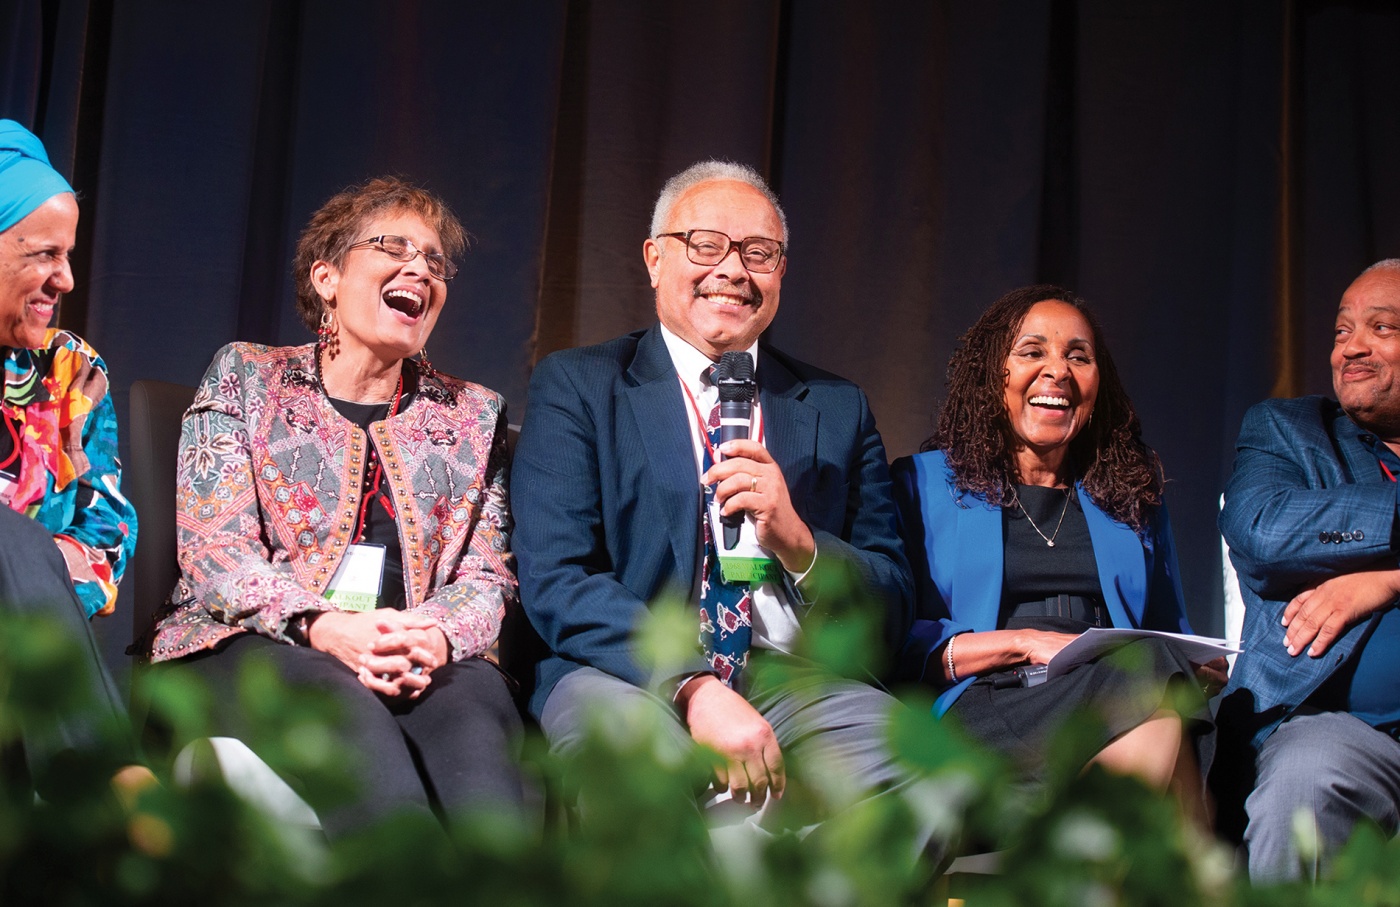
(1317, 616)
(749, 479)
(392, 652)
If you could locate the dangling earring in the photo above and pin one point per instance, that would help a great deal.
(328, 333)
(424, 364)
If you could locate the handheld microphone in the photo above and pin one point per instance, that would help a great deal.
(734, 378)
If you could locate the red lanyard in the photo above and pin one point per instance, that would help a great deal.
(702, 424)
(14, 435)
(1386, 469)
(375, 479)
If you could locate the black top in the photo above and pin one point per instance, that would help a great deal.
(381, 528)
(1032, 570)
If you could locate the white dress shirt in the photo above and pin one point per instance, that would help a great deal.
(775, 623)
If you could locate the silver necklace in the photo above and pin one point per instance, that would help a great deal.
(1049, 539)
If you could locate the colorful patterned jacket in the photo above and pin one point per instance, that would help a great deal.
(70, 476)
(267, 495)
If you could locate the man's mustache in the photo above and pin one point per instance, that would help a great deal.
(749, 294)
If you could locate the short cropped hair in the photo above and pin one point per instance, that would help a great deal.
(337, 225)
(708, 171)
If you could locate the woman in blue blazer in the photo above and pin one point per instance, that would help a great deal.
(1034, 513)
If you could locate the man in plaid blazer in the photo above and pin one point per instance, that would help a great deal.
(1311, 520)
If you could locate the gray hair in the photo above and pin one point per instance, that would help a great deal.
(1385, 264)
(704, 172)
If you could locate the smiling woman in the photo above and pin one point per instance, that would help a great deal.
(66, 531)
(35, 270)
(1052, 381)
(1034, 513)
(344, 515)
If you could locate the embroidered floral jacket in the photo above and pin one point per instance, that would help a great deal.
(268, 487)
(70, 476)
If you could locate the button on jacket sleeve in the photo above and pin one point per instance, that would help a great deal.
(1286, 494)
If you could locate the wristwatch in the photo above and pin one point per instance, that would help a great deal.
(299, 627)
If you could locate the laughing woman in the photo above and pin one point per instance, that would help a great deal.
(66, 530)
(343, 514)
(1035, 513)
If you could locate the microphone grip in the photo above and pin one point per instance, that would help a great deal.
(734, 420)
(733, 426)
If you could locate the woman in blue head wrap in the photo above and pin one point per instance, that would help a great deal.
(66, 532)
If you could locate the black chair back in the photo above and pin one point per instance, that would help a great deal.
(156, 409)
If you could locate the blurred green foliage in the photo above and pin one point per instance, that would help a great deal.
(1089, 838)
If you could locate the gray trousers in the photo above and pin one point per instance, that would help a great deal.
(1333, 770)
(823, 723)
(34, 583)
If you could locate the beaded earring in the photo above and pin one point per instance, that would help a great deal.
(328, 333)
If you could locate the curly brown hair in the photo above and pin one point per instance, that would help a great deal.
(1122, 475)
(338, 223)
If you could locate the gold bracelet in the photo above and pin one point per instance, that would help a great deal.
(952, 670)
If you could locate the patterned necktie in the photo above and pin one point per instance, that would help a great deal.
(725, 623)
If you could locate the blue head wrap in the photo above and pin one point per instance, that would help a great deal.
(26, 179)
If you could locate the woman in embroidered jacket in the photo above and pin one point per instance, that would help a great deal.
(343, 512)
(1034, 513)
(66, 532)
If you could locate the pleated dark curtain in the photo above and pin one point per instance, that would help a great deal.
(1210, 175)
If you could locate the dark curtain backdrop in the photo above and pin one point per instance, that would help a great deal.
(1210, 175)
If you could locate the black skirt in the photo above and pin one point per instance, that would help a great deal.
(1122, 688)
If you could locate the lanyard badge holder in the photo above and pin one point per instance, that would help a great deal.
(741, 558)
(359, 580)
(746, 561)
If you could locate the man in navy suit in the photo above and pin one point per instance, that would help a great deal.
(607, 491)
(1310, 517)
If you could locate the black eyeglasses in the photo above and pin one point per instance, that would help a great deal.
(400, 249)
(710, 247)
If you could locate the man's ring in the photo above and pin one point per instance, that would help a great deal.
(416, 669)
(753, 483)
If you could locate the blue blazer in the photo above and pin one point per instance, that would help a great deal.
(954, 542)
(607, 500)
(1307, 501)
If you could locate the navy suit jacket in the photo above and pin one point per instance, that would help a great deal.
(955, 547)
(607, 500)
(1307, 501)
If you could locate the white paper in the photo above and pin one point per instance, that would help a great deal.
(1097, 640)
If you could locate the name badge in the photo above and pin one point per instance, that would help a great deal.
(357, 581)
(747, 561)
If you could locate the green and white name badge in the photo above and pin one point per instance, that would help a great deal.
(747, 561)
(357, 581)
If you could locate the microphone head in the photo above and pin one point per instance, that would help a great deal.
(734, 377)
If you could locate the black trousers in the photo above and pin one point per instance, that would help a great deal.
(34, 583)
(455, 747)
